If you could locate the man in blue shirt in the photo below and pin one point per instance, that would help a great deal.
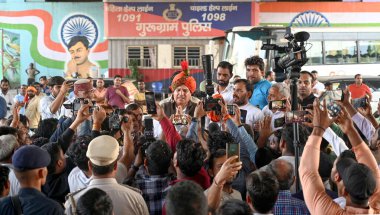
(19, 98)
(29, 163)
(255, 74)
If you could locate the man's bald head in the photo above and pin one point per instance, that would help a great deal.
(284, 171)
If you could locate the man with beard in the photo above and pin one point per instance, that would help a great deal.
(223, 75)
(242, 92)
(80, 66)
(305, 91)
(20, 98)
(255, 74)
(32, 110)
(6, 95)
(358, 89)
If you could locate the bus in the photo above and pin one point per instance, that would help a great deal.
(331, 50)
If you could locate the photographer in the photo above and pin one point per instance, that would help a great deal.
(51, 106)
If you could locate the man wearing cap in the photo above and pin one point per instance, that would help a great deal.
(29, 163)
(32, 110)
(103, 152)
(183, 85)
(51, 106)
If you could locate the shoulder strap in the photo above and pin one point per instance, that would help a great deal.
(73, 204)
(16, 205)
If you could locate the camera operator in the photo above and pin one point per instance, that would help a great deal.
(183, 86)
(51, 106)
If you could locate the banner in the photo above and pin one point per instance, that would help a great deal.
(174, 19)
(11, 57)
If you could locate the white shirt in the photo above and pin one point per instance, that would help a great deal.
(126, 200)
(9, 99)
(276, 115)
(320, 87)
(254, 114)
(45, 103)
(227, 93)
(78, 180)
(364, 125)
(15, 185)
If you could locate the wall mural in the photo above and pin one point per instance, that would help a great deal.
(45, 31)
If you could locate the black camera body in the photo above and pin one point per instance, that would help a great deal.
(115, 121)
(77, 103)
(210, 103)
(295, 51)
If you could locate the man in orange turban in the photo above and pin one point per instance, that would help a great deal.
(183, 85)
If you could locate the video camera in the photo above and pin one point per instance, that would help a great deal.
(209, 103)
(77, 103)
(295, 51)
(116, 118)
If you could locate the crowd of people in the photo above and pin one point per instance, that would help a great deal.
(72, 148)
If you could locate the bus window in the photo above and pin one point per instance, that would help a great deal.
(369, 51)
(340, 52)
(314, 53)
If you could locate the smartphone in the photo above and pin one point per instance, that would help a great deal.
(277, 104)
(360, 102)
(243, 115)
(233, 149)
(295, 116)
(332, 95)
(150, 103)
(279, 122)
(179, 120)
(148, 128)
(231, 109)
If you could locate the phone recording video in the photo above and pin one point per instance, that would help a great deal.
(277, 104)
(360, 102)
(231, 109)
(331, 96)
(233, 149)
(150, 103)
(295, 116)
(243, 115)
(148, 128)
(179, 120)
(279, 122)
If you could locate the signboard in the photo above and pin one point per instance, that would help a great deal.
(174, 19)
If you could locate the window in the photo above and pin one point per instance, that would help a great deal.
(340, 52)
(315, 53)
(191, 54)
(369, 51)
(144, 56)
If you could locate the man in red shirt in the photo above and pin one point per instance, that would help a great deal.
(117, 95)
(358, 89)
